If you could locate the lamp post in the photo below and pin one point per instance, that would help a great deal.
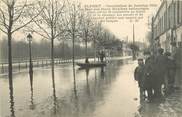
(29, 38)
(134, 51)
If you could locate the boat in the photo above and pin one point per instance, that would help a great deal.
(89, 65)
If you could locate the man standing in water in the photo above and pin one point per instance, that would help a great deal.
(139, 77)
(170, 74)
(178, 63)
(148, 74)
(160, 72)
(102, 56)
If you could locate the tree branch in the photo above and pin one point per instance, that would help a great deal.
(5, 2)
(40, 34)
(42, 29)
(3, 31)
(3, 19)
(32, 19)
(21, 11)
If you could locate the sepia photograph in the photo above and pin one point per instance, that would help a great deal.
(90, 58)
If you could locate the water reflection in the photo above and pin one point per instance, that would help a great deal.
(86, 93)
(150, 109)
(87, 82)
(90, 94)
(31, 80)
(102, 72)
(74, 83)
(168, 107)
(83, 98)
(95, 75)
(32, 105)
(12, 102)
(75, 94)
(54, 94)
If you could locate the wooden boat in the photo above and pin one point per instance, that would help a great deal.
(89, 65)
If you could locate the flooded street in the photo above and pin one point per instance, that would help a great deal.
(99, 92)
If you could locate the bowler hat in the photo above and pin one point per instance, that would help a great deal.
(167, 53)
(140, 59)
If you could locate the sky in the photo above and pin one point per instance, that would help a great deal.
(124, 29)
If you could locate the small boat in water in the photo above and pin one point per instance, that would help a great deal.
(89, 65)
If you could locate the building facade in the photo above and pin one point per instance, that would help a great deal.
(167, 25)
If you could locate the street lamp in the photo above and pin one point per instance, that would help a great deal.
(29, 38)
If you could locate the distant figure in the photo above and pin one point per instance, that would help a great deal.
(170, 73)
(139, 77)
(86, 60)
(102, 56)
(98, 56)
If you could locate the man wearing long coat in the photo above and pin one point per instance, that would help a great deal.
(160, 70)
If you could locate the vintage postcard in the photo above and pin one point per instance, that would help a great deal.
(90, 58)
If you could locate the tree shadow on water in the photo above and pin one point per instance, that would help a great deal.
(32, 104)
(12, 110)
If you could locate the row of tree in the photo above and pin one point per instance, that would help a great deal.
(41, 50)
(58, 20)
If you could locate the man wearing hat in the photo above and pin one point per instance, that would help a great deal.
(149, 74)
(170, 73)
(139, 76)
(160, 72)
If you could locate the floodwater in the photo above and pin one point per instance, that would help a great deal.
(98, 92)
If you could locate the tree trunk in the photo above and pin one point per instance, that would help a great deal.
(10, 74)
(52, 66)
(94, 52)
(52, 56)
(63, 51)
(73, 49)
(10, 60)
(30, 59)
(134, 55)
(86, 48)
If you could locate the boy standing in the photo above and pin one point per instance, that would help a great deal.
(139, 76)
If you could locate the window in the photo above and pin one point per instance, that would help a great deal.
(163, 23)
(168, 15)
(178, 11)
(165, 20)
(172, 15)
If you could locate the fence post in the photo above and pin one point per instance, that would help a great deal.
(26, 65)
(38, 63)
(42, 63)
(46, 62)
(2, 67)
(19, 65)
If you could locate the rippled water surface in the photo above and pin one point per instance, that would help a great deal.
(98, 92)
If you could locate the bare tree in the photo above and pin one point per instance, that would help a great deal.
(50, 24)
(96, 35)
(103, 38)
(13, 17)
(86, 30)
(73, 29)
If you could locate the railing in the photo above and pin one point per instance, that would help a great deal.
(24, 64)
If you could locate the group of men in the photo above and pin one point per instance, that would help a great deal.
(101, 55)
(155, 74)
